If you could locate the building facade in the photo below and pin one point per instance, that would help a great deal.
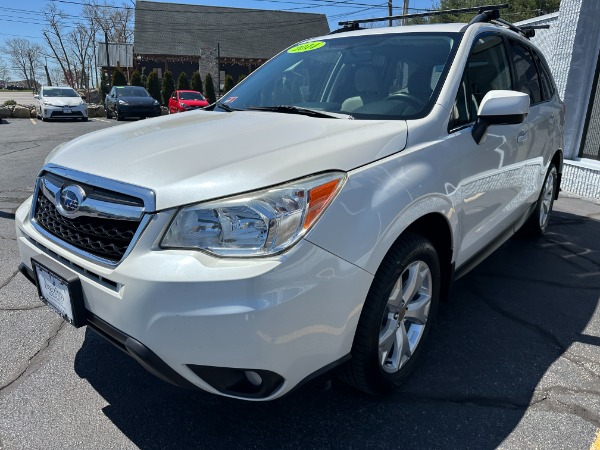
(215, 40)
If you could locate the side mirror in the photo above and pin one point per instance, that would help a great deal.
(36, 96)
(500, 108)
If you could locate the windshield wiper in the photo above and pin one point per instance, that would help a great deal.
(289, 109)
(226, 107)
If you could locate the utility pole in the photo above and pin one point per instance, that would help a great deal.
(218, 71)
(107, 57)
(390, 12)
(405, 11)
(48, 81)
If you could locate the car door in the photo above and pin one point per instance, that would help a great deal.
(538, 131)
(491, 172)
(173, 105)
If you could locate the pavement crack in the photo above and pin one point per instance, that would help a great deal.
(467, 400)
(553, 340)
(9, 279)
(556, 405)
(579, 361)
(567, 247)
(23, 308)
(33, 362)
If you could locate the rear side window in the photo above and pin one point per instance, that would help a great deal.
(526, 74)
(487, 69)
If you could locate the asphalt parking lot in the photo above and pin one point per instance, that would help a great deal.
(513, 361)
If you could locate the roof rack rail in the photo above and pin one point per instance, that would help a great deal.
(478, 9)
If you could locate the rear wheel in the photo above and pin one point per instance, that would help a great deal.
(396, 317)
(538, 221)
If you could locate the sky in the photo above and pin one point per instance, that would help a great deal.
(24, 18)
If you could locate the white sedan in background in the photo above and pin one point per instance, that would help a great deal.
(60, 102)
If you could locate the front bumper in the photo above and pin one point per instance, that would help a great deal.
(138, 110)
(289, 315)
(55, 112)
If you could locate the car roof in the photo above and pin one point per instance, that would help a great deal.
(427, 28)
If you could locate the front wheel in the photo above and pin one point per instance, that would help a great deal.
(396, 317)
(538, 221)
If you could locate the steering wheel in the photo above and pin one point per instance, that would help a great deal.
(414, 101)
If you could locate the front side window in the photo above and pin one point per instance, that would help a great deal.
(527, 78)
(487, 69)
(389, 76)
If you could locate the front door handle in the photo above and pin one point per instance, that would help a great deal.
(522, 137)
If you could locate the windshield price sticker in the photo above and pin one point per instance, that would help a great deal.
(306, 47)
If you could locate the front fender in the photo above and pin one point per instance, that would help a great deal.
(380, 201)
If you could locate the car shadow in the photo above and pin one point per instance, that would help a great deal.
(506, 323)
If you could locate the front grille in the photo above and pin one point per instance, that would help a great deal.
(104, 238)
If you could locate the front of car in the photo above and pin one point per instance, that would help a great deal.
(135, 101)
(197, 259)
(61, 102)
(190, 100)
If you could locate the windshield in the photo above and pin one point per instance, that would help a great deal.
(190, 96)
(390, 76)
(131, 91)
(59, 93)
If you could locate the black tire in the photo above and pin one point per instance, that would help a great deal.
(84, 119)
(378, 371)
(108, 113)
(118, 116)
(538, 221)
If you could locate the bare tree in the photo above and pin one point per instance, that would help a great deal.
(4, 71)
(81, 41)
(25, 57)
(114, 21)
(54, 37)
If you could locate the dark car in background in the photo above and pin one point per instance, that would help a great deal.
(185, 100)
(130, 101)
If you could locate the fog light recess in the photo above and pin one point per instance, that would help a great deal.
(247, 383)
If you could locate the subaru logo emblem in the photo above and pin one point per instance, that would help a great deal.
(70, 200)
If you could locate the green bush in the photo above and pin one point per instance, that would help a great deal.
(241, 78)
(118, 78)
(210, 89)
(229, 84)
(167, 87)
(153, 86)
(183, 82)
(197, 82)
(10, 103)
(136, 79)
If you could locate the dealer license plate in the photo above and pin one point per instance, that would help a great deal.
(66, 110)
(55, 292)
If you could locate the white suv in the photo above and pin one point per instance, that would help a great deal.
(313, 219)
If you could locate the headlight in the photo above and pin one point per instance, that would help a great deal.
(260, 223)
(183, 105)
(156, 103)
(123, 102)
(47, 103)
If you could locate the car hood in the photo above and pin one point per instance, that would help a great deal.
(63, 101)
(137, 100)
(195, 102)
(201, 155)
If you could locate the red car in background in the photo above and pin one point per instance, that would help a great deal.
(182, 101)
